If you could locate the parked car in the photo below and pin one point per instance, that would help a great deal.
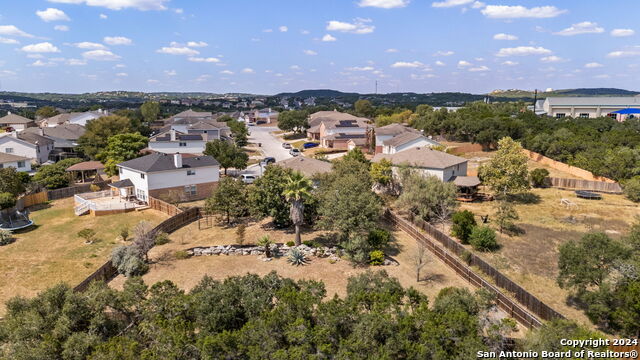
(248, 178)
(294, 152)
(309, 145)
(286, 145)
(268, 160)
(261, 122)
(251, 124)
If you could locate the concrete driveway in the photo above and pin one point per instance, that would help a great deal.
(271, 146)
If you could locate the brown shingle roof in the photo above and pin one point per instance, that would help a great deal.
(467, 181)
(5, 158)
(85, 166)
(422, 157)
(34, 138)
(307, 166)
(14, 119)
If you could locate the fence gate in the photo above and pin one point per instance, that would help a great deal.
(205, 222)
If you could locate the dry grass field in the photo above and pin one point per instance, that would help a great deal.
(531, 257)
(52, 252)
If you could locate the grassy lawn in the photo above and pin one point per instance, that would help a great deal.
(531, 258)
(52, 252)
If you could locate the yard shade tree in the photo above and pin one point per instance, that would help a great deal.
(10, 181)
(228, 155)
(150, 111)
(239, 132)
(229, 200)
(632, 189)
(427, 197)
(46, 112)
(266, 196)
(548, 337)
(506, 173)
(356, 154)
(120, 148)
(463, 224)
(98, 132)
(505, 215)
(293, 120)
(364, 108)
(52, 177)
(297, 190)
(382, 174)
(7, 200)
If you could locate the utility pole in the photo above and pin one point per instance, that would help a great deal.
(376, 87)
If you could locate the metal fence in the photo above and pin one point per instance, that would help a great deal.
(579, 184)
(526, 308)
(107, 271)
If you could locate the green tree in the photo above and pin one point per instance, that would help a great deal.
(297, 191)
(52, 177)
(229, 200)
(507, 171)
(381, 172)
(505, 215)
(427, 197)
(120, 148)
(463, 224)
(293, 120)
(150, 111)
(10, 181)
(266, 197)
(46, 112)
(548, 337)
(632, 189)
(483, 238)
(227, 154)
(364, 108)
(239, 132)
(7, 200)
(538, 177)
(98, 132)
(356, 154)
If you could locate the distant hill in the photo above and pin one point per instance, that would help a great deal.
(515, 93)
(318, 93)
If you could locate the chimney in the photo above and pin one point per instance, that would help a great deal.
(177, 160)
(172, 133)
(14, 134)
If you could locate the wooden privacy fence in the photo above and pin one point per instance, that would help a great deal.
(560, 166)
(107, 271)
(67, 192)
(34, 199)
(163, 206)
(528, 309)
(578, 184)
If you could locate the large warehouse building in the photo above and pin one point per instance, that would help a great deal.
(588, 107)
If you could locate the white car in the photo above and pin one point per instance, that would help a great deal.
(248, 178)
(294, 152)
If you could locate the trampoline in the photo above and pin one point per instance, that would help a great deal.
(588, 195)
(16, 220)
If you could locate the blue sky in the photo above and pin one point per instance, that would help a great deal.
(270, 46)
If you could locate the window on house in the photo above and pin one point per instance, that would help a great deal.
(612, 115)
(20, 164)
(584, 115)
(1, 166)
(142, 176)
(191, 172)
(8, 150)
(191, 190)
(560, 115)
(183, 144)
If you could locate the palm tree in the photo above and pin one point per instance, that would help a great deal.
(297, 189)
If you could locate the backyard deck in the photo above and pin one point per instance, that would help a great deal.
(104, 203)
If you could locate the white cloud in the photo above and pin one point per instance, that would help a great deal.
(328, 38)
(421, 77)
(197, 44)
(11, 30)
(585, 27)
(177, 50)
(52, 14)
(391, 50)
(593, 65)
(117, 40)
(552, 59)
(479, 69)
(76, 62)
(153, 81)
(143, 5)
(450, 3)
(305, 32)
(294, 67)
(384, 4)
(267, 30)
(624, 53)
(122, 74)
(283, 28)
(61, 28)
(602, 76)
(89, 45)
(35, 56)
(178, 11)
(103, 16)
(203, 59)
(170, 72)
(503, 36)
(100, 55)
(478, 5)
(358, 26)
(309, 52)
(202, 78)
(444, 53)
(516, 12)
(40, 63)
(510, 63)
(361, 68)
(405, 64)
(622, 32)
(120, 66)
(248, 71)
(440, 63)
(45, 47)
(523, 51)
(464, 63)
(8, 41)
(226, 72)
(7, 73)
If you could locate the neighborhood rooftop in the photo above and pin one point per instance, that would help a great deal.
(5, 158)
(307, 166)
(14, 119)
(595, 101)
(163, 162)
(422, 157)
(403, 138)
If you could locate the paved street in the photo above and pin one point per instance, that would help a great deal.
(271, 146)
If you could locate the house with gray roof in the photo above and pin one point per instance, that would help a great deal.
(407, 140)
(16, 122)
(20, 163)
(173, 141)
(309, 167)
(65, 139)
(28, 145)
(445, 167)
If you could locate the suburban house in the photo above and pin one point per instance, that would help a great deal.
(65, 139)
(309, 167)
(173, 141)
(20, 163)
(32, 146)
(587, 107)
(317, 118)
(192, 122)
(188, 177)
(445, 167)
(407, 141)
(335, 129)
(16, 122)
(73, 118)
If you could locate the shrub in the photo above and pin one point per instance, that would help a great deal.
(483, 238)
(94, 188)
(162, 238)
(87, 234)
(124, 233)
(128, 261)
(379, 238)
(6, 237)
(632, 189)
(296, 257)
(7, 200)
(463, 224)
(240, 231)
(376, 257)
(266, 242)
(466, 256)
(181, 255)
(291, 243)
(538, 177)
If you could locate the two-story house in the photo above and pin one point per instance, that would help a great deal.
(32, 146)
(16, 122)
(20, 163)
(173, 141)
